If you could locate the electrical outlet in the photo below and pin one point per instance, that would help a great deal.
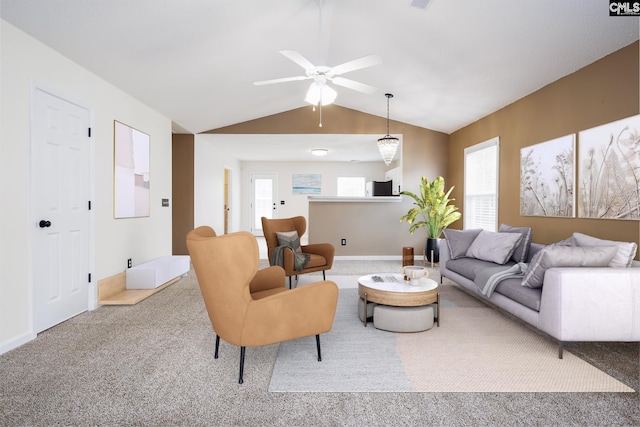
(129, 264)
(344, 242)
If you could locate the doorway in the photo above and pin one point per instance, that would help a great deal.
(60, 192)
(264, 193)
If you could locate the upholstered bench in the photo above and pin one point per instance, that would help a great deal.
(403, 319)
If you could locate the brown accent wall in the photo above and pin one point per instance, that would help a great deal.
(182, 189)
(602, 92)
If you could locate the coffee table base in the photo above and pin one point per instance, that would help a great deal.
(364, 300)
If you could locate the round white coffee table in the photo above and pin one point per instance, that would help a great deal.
(391, 289)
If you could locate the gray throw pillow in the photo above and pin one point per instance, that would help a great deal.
(521, 253)
(289, 238)
(459, 241)
(624, 256)
(566, 256)
(494, 247)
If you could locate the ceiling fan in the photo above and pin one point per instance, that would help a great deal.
(319, 92)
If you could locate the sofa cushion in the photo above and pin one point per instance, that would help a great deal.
(566, 256)
(521, 252)
(289, 238)
(459, 241)
(468, 267)
(513, 289)
(625, 253)
(494, 247)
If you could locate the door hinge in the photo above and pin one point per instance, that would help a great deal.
(89, 204)
(89, 277)
(89, 132)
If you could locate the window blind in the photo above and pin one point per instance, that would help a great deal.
(481, 185)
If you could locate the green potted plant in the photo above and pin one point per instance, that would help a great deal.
(433, 212)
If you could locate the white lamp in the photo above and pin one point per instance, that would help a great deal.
(387, 145)
(320, 93)
(319, 152)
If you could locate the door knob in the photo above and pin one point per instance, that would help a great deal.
(44, 224)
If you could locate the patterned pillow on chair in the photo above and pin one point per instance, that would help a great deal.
(289, 238)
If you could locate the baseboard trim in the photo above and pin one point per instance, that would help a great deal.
(17, 342)
(374, 258)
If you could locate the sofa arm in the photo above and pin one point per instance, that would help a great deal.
(445, 255)
(591, 304)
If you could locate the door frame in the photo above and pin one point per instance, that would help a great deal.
(228, 199)
(92, 291)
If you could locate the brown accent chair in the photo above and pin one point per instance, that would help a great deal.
(251, 307)
(321, 254)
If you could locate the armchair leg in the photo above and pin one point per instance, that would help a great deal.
(242, 350)
(318, 345)
(215, 354)
(323, 276)
(289, 282)
(560, 349)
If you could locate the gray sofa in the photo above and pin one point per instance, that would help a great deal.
(572, 303)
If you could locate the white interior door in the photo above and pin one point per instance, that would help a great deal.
(60, 177)
(264, 193)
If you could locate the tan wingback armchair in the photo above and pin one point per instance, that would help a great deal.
(248, 307)
(320, 254)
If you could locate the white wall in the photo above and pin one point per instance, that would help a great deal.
(209, 165)
(298, 204)
(24, 62)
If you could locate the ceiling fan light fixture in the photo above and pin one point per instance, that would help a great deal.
(388, 145)
(319, 152)
(320, 93)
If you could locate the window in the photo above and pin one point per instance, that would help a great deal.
(481, 185)
(350, 186)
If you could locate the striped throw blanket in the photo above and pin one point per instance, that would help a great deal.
(487, 279)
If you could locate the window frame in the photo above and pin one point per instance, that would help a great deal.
(491, 143)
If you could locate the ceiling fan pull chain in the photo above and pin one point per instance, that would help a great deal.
(320, 114)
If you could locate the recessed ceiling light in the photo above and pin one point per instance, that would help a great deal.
(319, 151)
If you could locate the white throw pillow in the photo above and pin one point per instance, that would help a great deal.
(566, 256)
(624, 256)
(494, 247)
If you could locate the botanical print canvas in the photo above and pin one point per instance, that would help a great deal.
(609, 170)
(307, 183)
(547, 178)
(131, 172)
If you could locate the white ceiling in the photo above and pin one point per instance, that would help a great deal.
(448, 64)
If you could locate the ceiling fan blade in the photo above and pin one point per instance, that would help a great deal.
(298, 59)
(356, 64)
(352, 84)
(282, 80)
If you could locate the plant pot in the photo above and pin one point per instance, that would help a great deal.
(432, 250)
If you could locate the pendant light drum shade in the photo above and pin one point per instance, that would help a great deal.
(388, 145)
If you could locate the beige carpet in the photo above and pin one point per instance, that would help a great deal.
(475, 349)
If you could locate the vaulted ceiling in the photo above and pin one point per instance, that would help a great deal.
(447, 62)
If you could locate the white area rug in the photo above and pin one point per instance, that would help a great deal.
(475, 349)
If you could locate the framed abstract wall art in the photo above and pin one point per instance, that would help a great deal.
(131, 172)
(547, 176)
(609, 170)
(307, 183)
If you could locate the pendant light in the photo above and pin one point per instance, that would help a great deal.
(387, 145)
